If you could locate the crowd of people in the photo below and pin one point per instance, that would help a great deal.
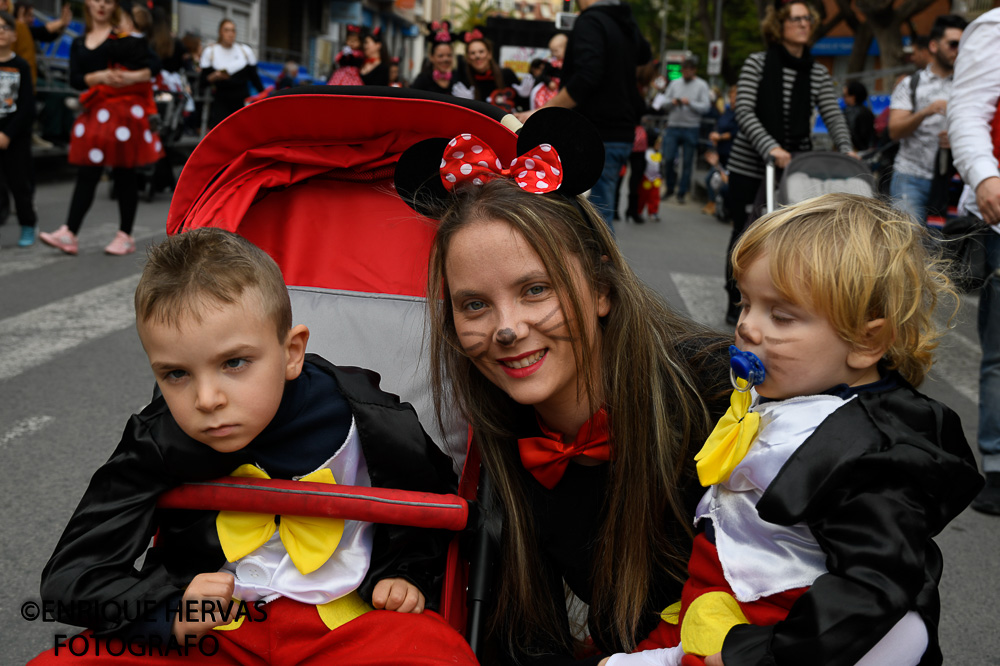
(784, 517)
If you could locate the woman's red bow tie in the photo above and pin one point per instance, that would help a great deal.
(468, 159)
(441, 76)
(548, 456)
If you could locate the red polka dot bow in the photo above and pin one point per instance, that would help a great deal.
(468, 159)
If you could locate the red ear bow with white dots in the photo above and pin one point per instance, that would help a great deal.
(467, 159)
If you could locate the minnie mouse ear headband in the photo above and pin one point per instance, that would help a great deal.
(355, 29)
(472, 35)
(558, 151)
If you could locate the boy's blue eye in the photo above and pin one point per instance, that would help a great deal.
(176, 374)
(236, 363)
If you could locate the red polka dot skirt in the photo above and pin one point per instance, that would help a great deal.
(113, 129)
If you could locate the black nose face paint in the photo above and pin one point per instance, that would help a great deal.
(506, 336)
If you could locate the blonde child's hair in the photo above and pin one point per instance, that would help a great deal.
(855, 259)
(189, 271)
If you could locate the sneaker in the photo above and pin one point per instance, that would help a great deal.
(39, 142)
(654, 217)
(27, 236)
(988, 499)
(680, 199)
(121, 244)
(61, 239)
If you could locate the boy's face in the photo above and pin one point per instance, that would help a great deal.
(8, 35)
(223, 377)
(801, 351)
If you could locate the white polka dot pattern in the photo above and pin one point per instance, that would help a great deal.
(468, 159)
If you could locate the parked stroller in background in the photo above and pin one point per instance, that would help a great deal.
(317, 195)
(172, 99)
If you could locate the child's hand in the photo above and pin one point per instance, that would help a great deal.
(398, 594)
(216, 588)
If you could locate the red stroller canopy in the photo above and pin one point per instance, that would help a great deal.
(308, 177)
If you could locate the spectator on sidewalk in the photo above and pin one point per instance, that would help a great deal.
(17, 110)
(439, 69)
(688, 99)
(599, 81)
(778, 90)
(974, 130)
(860, 119)
(722, 137)
(917, 119)
(228, 67)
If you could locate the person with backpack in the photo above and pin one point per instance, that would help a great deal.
(917, 119)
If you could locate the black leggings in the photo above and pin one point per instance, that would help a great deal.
(16, 176)
(742, 193)
(126, 189)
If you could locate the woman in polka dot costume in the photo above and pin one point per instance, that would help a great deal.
(113, 130)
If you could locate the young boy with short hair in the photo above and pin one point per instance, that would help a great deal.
(239, 396)
(17, 112)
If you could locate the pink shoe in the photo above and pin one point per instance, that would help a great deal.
(61, 239)
(121, 244)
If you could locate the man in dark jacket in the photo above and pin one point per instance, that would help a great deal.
(604, 50)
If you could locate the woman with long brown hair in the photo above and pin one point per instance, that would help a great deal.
(586, 392)
(482, 72)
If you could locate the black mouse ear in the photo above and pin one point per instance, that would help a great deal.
(575, 138)
(418, 176)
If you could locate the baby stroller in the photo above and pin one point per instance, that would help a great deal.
(812, 174)
(317, 195)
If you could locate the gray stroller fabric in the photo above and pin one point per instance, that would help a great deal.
(385, 333)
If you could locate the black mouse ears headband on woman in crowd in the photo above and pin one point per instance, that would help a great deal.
(441, 31)
(558, 151)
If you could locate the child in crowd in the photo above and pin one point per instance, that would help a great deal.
(829, 479)
(239, 396)
(349, 60)
(649, 194)
(17, 111)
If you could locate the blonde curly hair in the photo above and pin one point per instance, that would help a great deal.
(855, 259)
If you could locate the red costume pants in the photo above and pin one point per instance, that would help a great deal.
(292, 633)
(705, 575)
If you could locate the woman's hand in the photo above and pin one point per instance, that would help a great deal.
(398, 594)
(209, 595)
(98, 78)
(781, 157)
(714, 660)
(218, 75)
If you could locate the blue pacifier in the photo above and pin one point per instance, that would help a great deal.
(745, 366)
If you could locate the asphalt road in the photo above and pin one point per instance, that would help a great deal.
(72, 371)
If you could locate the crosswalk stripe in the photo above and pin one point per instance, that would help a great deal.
(956, 359)
(25, 427)
(36, 336)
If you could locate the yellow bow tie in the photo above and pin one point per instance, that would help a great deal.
(310, 541)
(729, 442)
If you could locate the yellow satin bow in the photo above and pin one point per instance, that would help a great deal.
(729, 442)
(309, 540)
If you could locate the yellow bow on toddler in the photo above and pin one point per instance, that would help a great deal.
(309, 540)
(729, 442)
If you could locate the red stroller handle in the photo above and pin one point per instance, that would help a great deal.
(301, 498)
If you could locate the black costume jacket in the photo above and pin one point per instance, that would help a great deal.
(94, 560)
(875, 482)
